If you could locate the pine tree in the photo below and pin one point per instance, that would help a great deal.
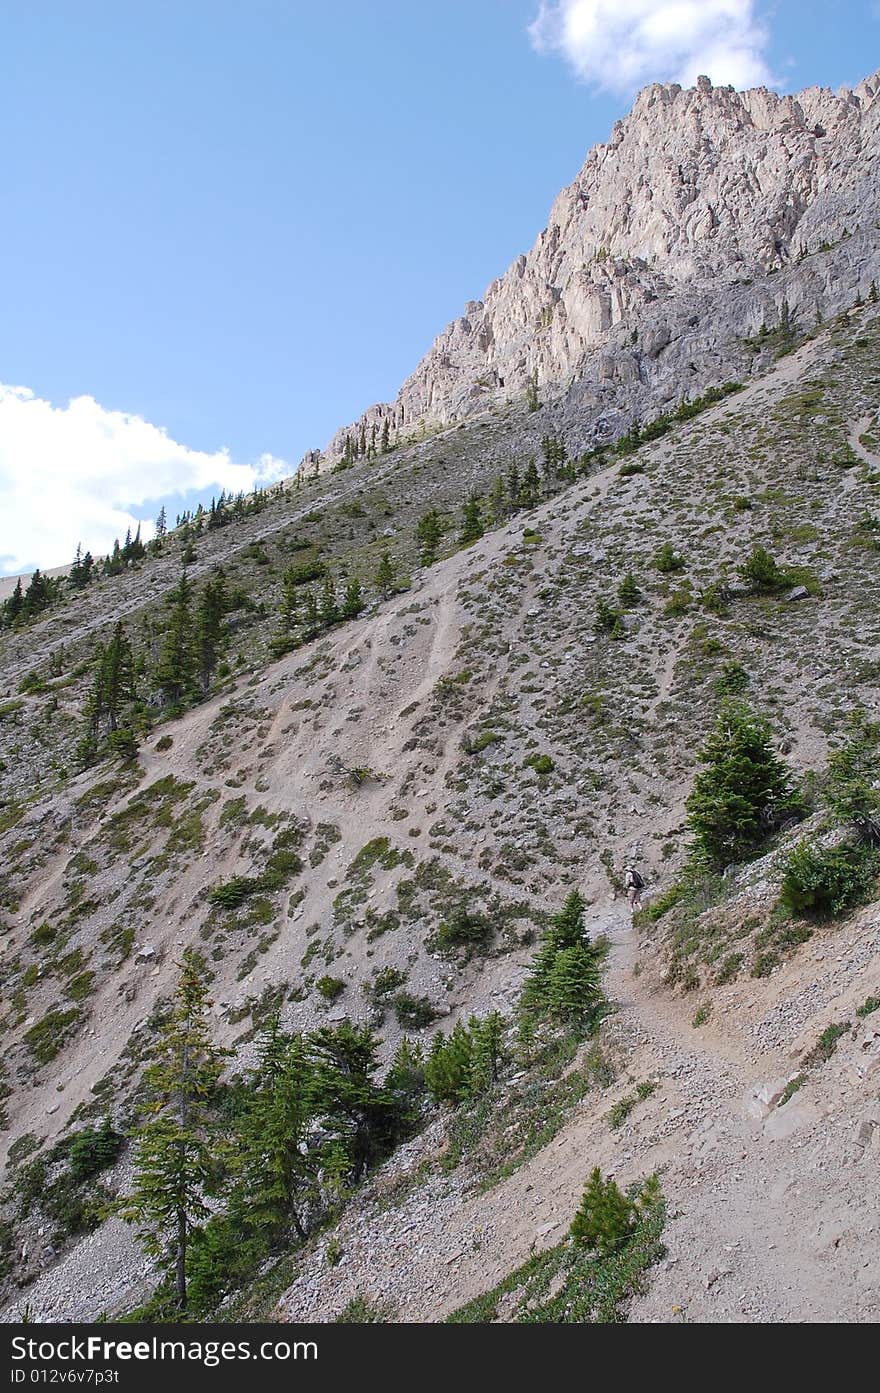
(853, 783)
(386, 576)
(176, 671)
(117, 677)
(488, 1049)
(353, 602)
(606, 1217)
(429, 533)
(385, 438)
(525, 1040)
(37, 597)
(161, 522)
(498, 500)
(574, 987)
(471, 522)
(288, 611)
(175, 1170)
(311, 615)
(14, 606)
(405, 1082)
(357, 1115)
(449, 1066)
(275, 1172)
(743, 790)
(209, 629)
(530, 493)
(75, 573)
(628, 592)
(514, 488)
(329, 611)
(565, 979)
(532, 399)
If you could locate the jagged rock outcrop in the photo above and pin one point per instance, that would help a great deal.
(706, 210)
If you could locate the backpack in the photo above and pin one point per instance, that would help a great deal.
(635, 880)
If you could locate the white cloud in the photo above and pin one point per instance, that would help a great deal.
(80, 473)
(619, 45)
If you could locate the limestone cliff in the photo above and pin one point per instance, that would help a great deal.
(706, 210)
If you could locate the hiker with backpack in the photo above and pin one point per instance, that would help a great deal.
(634, 885)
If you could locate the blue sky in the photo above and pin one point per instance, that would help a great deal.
(243, 223)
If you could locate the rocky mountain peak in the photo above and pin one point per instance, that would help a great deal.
(697, 191)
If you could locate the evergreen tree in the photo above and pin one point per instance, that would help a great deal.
(13, 608)
(532, 399)
(743, 790)
(606, 1217)
(209, 625)
(471, 523)
(449, 1066)
(514, 488)
(329, 611)
(488, 1049)
(357, 1115)
(385, 438)
(386, 576)
(113, 563)
(311, 615)
(275, 1171)
(530, 493)
(289, 610)
(429, 533)
(75, 576)
(37, 597)
(353, 602)
(565, 980)
(574, 987)
(175, 1171)
(117, 677)
(405, 1082)
(161, 522)
(853, 784)
(628, 592)
(498, 500)
(176, 671)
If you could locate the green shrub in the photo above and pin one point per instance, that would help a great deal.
(791, 1088)
(386, 981)
(542, 765)
(679, 602)
(229, 894)
(330, 987)
(822, 883)
(827, 1043)
(732, 681)
(668, 559)
(414, 1012)
(761, 573)
(46, 1039)
(463, 928)
(868, 1006)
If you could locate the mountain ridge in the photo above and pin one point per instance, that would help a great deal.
(694, 184)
